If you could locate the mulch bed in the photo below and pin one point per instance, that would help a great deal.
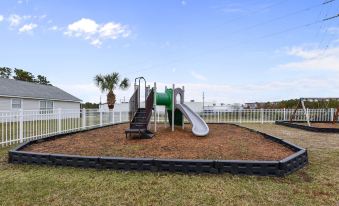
(225, 141)
(322, 125)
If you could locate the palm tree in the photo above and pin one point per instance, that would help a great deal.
(108, 83)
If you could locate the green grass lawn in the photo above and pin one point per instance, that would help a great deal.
(317, 184)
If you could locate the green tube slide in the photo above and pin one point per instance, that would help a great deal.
(165, 99)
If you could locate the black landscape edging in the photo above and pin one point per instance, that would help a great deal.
(240, 167)
(308, 128)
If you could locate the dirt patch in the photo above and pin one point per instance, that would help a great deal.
(224, 142)
(321, 125)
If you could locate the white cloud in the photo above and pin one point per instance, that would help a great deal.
(82, 27)
(22, 1)
(198, 76)
(24, 23)
(232, 10)
(27, 28)
(1, 18)
(42, 16)
(14, 20)
(96, 43)
(313, 59)
(113, 31)
(96, 33)
(333, 30)
(54, 28)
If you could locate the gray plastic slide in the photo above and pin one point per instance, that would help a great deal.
(199, 126)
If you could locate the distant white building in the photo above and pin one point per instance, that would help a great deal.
(195, 106)
(16, 95)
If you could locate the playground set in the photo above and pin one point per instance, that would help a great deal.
(174, 110)
(328, 126)
(228, 148)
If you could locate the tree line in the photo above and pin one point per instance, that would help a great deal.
(293, 103)
(90, 105)
(22, 75)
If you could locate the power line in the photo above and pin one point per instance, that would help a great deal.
(323, 36)
(282, 17)
(255, 12)
(260, 24)
(261, 37)
(276, 19)
(292, 29)
(333, 17)
(327, 2)
(251, 12)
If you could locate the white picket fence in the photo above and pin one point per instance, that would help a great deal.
(20, 126)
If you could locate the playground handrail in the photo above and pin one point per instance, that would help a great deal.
(133, 104)
(149, 105)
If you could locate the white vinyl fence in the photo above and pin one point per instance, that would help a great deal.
(20, 126)
(259, 115)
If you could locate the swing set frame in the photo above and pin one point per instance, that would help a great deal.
(301, 104)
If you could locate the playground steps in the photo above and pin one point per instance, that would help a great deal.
(143, 133)
(139, 125)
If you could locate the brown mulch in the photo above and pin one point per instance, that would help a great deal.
(322, 125)
(223, 142)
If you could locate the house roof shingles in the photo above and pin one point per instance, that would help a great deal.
(15, 88)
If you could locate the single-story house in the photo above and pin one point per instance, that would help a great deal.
(15, 95)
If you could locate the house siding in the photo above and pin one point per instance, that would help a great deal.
(34, 104)
(66, 105)
(5, 103)
(30, 104)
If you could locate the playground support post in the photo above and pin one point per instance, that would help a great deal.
(173, 107)
(306, 113)
(139, 87)
(155, 106)
(183, 101)
(165, 121)
(166, 115)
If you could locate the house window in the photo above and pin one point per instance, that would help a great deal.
(46, 105)
(16, 103)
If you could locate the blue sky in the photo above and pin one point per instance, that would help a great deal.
(234, 51)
